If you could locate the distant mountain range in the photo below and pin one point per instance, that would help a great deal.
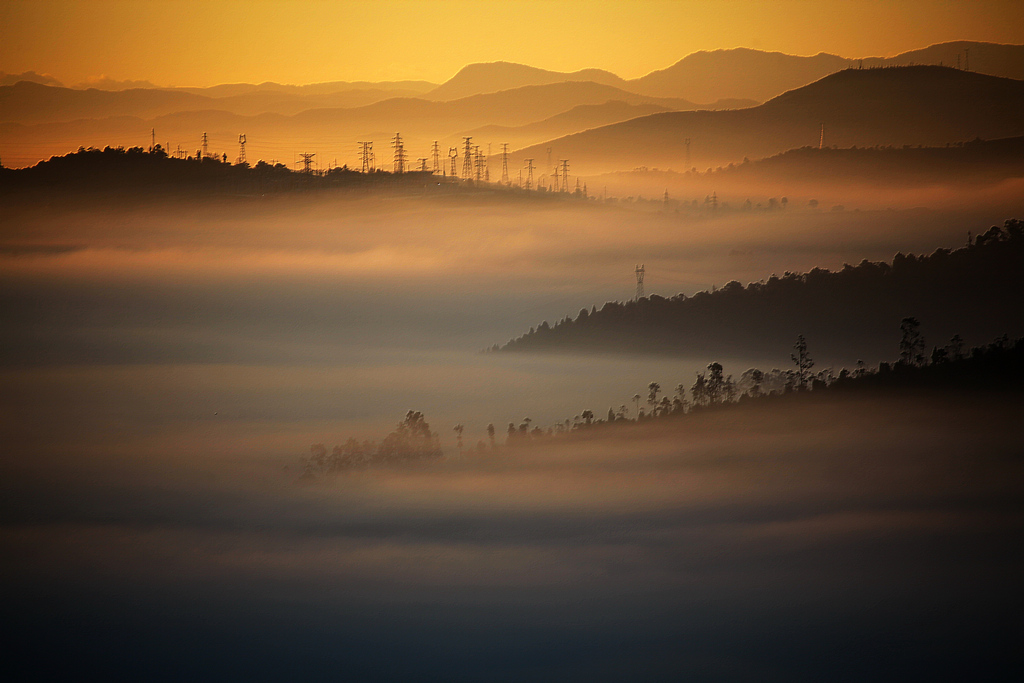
(921, 105)
(419, 120)
(758, 75)
(495, 103)
(739, 73)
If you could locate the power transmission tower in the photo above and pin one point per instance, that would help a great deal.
(241, 150)
(714, 200)
(423, 164)
(399, 153)
(504, 163)
(467, 159)
(307, 162)
(529, 173)
(688, 154)
(152, 142)
(639, 282)
(205, 146)
(453, 157)
(436, 152)
(487, 168)
(565, 175)
(366, 156)
(555, 185)
(550, 167)
(479, 162)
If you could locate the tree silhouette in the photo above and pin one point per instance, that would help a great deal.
(653, 390)
(911, 342)
(458, 429)
(802, 360)
(752, 378)
(699, 390)
(956, 347)
(714, 387)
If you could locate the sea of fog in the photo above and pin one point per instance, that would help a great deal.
(304, 320)
(164, 368)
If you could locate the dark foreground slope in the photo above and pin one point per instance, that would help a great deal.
(852, 313)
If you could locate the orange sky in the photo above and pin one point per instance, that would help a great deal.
(204, 43)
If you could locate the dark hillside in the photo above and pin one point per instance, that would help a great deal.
(852, 313)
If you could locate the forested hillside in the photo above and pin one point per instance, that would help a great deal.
(973, 291)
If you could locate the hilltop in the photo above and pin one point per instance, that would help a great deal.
(476, 79)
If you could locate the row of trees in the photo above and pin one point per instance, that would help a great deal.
(999, 365)
(411, 441)
(137, 169)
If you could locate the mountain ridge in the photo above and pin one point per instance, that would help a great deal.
(919, 105)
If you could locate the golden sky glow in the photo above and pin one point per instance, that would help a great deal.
(210, 42)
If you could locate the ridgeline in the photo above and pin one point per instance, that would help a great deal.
(851, 312)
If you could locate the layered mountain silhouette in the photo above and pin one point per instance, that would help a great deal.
(421, 121)
(30, 76)
(528, 106)
(328, 88)
(921, 105)
(31, 102)
(759, 75)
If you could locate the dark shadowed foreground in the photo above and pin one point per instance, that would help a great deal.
(844, 538)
